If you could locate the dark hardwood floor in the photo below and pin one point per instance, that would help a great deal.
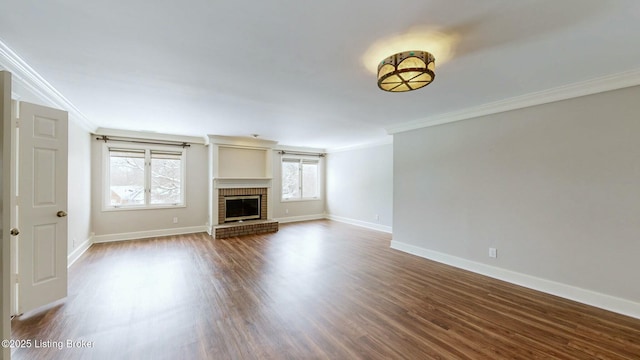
(314, 290)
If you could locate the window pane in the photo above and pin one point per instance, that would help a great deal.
(309, 180)
(166, 178)
(126, 171)
(290, 180)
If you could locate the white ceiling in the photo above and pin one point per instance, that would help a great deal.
(292, 70)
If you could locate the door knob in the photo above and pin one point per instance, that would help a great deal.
(61, 213)
(14, 232)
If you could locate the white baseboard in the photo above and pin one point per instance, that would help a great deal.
(291, 219)
(77, 253)
(603, 301)
(361, 223)
(148, 234)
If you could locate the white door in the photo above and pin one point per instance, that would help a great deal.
(42, 206)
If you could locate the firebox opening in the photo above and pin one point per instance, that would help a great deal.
(239, 208)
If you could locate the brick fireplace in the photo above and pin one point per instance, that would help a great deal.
(231, 229)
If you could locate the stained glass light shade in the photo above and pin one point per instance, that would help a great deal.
(406, 71)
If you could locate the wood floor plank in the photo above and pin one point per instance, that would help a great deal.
(313, 290)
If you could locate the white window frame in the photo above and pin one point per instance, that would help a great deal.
(300, 159)
(106, 178)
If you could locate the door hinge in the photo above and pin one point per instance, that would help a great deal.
(17, 123)
(17, 278)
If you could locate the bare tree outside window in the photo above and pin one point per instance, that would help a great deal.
(290, 180)
(139, 177)
(126, 178)
(166, 178)
(300, 179)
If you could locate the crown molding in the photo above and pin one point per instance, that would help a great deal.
(589, 87)
(388, 140)
(299, 148)
(28, 78)
(147, 135)
(240, 141)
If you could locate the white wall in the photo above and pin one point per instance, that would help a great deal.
(555, 188)
(79, 191)
(360, 186)
(286, 211)
(130, 224)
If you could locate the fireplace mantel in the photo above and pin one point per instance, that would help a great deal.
(244, 182)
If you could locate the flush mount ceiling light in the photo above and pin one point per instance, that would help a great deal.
(406, 71)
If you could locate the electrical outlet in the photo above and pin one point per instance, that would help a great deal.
(286, 211)
(493, 252)
(175, 219)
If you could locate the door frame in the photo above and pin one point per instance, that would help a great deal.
(13, 213)
(6, 143)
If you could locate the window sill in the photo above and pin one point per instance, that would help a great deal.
(242, 178)
(298, 200)
(140, 208)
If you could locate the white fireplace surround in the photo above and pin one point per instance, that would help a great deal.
(237, 163)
